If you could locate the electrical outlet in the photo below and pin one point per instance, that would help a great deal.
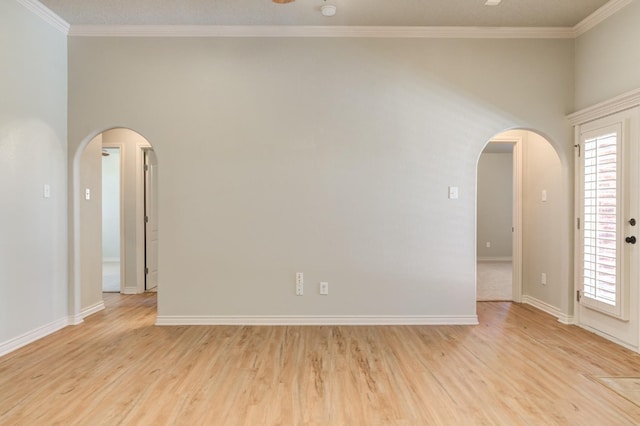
(299, 283)
(488, 244)
(324, 288)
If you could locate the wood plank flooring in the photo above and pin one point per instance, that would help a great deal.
(518, 367)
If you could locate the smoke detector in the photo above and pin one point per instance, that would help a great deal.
(328, 10)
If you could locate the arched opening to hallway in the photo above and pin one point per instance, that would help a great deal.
(95, 238)
(521, 192)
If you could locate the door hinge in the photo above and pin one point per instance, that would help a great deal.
(146, 167)
(146, 271)
(578, 222)
(146, 219)
(577, 295)
(577, 146)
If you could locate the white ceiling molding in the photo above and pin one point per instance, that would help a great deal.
(599, 16)
(619, 103)
(582, 27)
(46, 14)
(317, 31)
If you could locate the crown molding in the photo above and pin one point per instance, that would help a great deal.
(316, 31)
(597, 17)
(46, 14)
(619, 103)
(610, 8)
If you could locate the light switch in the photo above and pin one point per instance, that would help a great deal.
(46, 192)
(544, 195)
(453, 192)
(87, 194)
(299, 283)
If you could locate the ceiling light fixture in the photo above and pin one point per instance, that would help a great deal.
(492, 2)
(328, 10)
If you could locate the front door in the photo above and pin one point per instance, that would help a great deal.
(607, 253)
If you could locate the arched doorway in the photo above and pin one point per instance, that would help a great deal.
(88, 253)
(535, 207)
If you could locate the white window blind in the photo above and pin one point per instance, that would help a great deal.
(600, 218)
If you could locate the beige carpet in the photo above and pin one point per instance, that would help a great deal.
(494, 281)
(626, 387)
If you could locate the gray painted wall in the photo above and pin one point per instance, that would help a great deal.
(546, 242)
(495, 205)
(33, 146)
(608, 58)
(326, 156)
(91, 225)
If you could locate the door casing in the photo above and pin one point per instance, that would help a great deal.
(624, 331)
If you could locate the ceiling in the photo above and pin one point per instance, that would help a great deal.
(498, 148)
(423, 13)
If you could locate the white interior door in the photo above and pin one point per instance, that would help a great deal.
(151, 219)
(607, 194)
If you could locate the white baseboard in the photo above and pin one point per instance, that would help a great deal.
(130, 290)
(76, 319)
(33, 335)
(551, 310)
(567, 319)
(495, 259)
(318, 320)
(43, 331)
(90, 310)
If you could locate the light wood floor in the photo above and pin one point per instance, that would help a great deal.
(519, 366)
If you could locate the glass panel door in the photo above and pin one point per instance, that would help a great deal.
(601, 231)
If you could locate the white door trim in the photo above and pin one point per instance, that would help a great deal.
(150, 213)
(516, 241)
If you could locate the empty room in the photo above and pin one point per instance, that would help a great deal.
(293, 212)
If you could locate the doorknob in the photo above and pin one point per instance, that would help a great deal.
(632, 222)
(631, 239)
